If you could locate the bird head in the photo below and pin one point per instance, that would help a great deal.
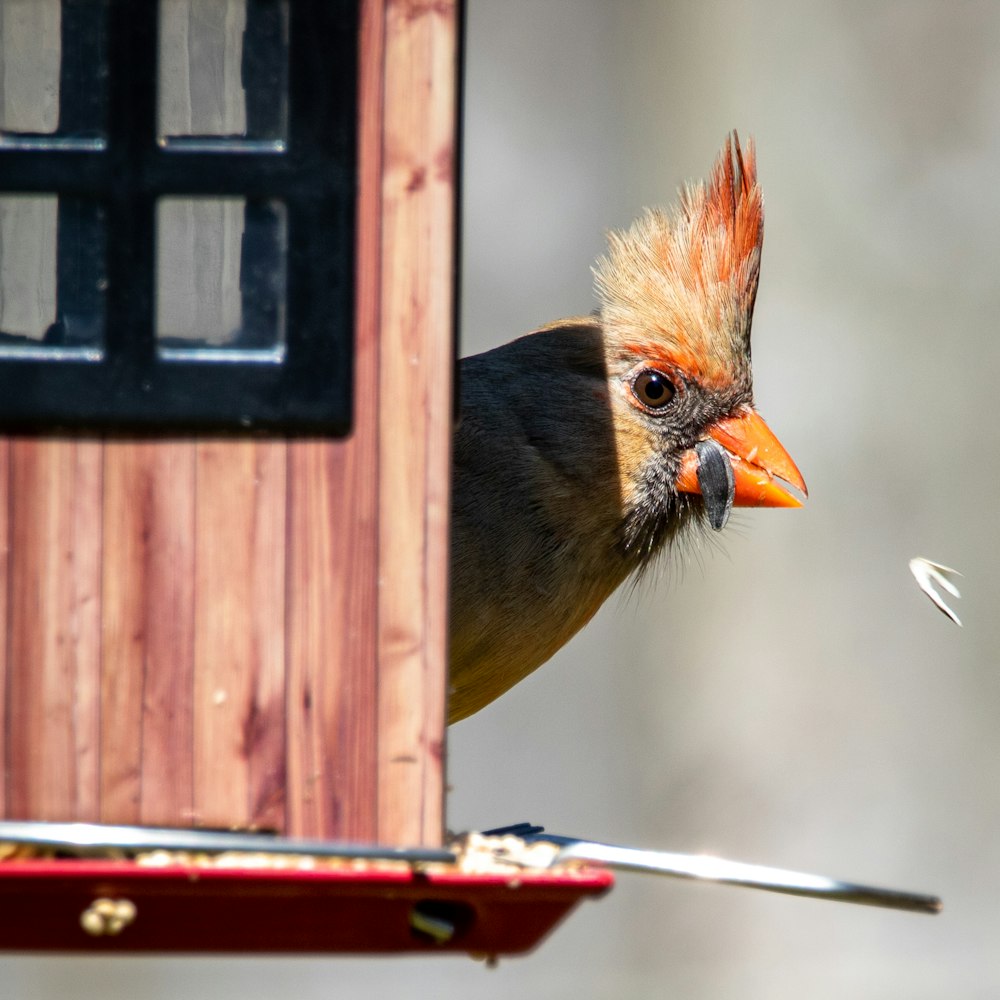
(677, 293)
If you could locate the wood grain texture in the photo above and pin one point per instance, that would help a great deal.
(252, 633)
(53, 643)
(84, 593)
(333, 543)
(148, 609)
(418, 199)
(332, 699)
(239, 665)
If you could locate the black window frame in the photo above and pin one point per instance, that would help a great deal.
(109, 180)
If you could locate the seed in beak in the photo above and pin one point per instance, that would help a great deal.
(716, 482)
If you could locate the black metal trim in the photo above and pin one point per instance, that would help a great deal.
(313, 171)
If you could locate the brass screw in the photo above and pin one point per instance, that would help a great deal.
(107, 916)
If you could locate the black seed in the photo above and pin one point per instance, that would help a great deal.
(716, 482)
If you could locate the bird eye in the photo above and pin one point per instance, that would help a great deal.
(652, 389)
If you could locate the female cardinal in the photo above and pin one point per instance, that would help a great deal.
(584, 448)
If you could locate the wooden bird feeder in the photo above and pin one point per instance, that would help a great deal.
(227, 260)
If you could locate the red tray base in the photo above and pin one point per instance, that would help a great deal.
(235, 910)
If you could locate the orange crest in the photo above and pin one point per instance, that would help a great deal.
(680, 286)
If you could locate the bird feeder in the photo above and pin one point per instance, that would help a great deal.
(227, 259)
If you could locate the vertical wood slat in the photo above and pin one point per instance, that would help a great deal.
(54, 605)
(418, 198)
(84, 594)
(167, 471)
(312, 621)
(148, 609)
(331, 683)
(333, 541)
(239, 666)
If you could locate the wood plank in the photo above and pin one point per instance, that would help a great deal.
(167, 769)
(312, 624)
(332, 701)
(333, 545)
(265, 731)
(148, 609)
(53, 660)
(418, 198)
(239, 633)
(84, 596)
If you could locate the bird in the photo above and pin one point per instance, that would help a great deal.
(585, 449)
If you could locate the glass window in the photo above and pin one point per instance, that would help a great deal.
(27, 267)
(220, 278)
(53, 73)
(177, 187)
(52, 280)
(223, 69)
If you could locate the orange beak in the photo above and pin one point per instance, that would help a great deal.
(758, 460)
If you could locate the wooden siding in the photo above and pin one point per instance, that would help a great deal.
(252, 633)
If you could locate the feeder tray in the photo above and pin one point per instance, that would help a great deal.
(45, 906)
(348, 899)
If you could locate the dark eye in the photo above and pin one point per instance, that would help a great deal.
(652, 389)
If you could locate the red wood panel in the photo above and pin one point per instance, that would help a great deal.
(148, 621)
(418, 198)
(83, 591)
(246, 632)
(331, 684)
(52, 643)
(333, 543)
(239, 650)
(165, 479)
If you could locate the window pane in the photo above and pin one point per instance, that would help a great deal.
(220, 278)
(223, 68)
(52, 280)
(27, 267)
(30, 49)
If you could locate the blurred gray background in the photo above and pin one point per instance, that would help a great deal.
(787, 696)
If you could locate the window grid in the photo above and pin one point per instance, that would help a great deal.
(109, 167)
